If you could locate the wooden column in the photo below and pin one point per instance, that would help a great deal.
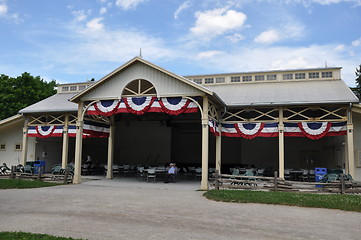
(64, 156)
(205, 144)
(78, 144)
(24, 149)
(350, 162)
(110, 148)
(219, 151)
(281, 145)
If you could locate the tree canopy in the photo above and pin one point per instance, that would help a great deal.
(22, 91)
(357, 89)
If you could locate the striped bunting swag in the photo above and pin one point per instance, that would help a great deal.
(106, 107)
(45, 131)
(312, 130)
(141, 105)
(250, 130)
(138, 105)
(315, 130)
(95, 129)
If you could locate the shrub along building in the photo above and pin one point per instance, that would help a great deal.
(142, 114)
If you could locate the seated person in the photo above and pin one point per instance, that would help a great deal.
(171, 173)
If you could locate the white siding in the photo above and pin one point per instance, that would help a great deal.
(10, 136)
(165, 84)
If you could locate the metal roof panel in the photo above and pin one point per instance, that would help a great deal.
(55, 103)
(285, 93)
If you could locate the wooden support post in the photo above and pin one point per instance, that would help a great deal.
(205, 144)
(39, 173)
(64, 156)
(78, 144)
(110, 149)
(343, 185)
(66, 174)
(24, 151)
(12, 173)
(275, 180)
(216, 181)
(350, 162)
(281, 145)
(218, 152)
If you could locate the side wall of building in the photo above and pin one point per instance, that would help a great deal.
(11, 136)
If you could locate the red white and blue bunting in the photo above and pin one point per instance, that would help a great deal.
(45, 131)
(95, 130)
(174, 106)
(106, 107)
(72, 131)
(214, 127)
(250, 130)
(312, 130)
(91, 129)
(315, 130)
(138, 105)
(141, 105)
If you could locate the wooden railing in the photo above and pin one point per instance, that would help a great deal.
(226, 181)
(63, 178)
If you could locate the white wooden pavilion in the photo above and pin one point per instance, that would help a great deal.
(299, 117)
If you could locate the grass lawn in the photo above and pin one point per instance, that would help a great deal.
(29, 236)
(332, 201)
(18, 183)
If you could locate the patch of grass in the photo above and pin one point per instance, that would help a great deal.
(332, 201)
(30, 236)
(18, 183)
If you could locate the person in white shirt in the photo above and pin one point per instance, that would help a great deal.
(171, 173)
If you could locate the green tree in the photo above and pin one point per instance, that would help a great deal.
(357, 89)
(22, 91)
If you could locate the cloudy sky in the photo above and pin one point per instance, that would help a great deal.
(76, 40)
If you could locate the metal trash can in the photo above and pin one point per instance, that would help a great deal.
(39, 166)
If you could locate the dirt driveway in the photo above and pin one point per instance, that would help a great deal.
(124, 209)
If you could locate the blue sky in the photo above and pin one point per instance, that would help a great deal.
(76, 40)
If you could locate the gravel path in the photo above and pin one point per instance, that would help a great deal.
(125, 209)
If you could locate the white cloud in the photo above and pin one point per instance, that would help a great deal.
(128, 4)
(356, 43)
(4, 12)
(96, 50)
(328, 2)
(95, 24)
(79, 15)
(321, 2)
(340, 47)
(212, 23)
(268, 37)
(181, 8)
(208, 54)
(3, 9)
(289, 31)
(235, 38)
(103, 10)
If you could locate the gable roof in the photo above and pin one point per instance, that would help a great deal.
(77, 97)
